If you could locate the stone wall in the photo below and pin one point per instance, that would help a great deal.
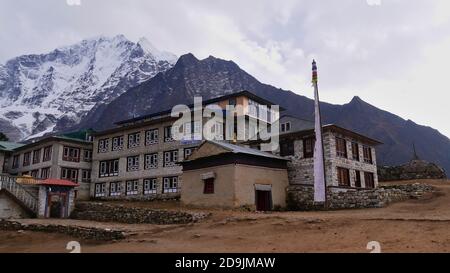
(88, 233)
(132, 215)
(9, 207)
(300, 169)
(300, 197)
(415, 169)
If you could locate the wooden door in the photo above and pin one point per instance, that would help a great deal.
(263, 200)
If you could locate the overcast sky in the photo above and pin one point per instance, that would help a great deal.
(391, 53)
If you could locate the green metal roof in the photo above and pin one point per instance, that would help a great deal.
(9, 146)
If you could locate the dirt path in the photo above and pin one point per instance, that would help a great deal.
(411, 226)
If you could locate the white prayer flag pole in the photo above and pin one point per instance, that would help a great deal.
(319, 160)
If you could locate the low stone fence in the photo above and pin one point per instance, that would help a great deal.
(88, 233)
(133, 215)
(300, 197)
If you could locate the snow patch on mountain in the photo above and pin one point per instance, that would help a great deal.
(41, 92)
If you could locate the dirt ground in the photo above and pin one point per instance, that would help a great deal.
(410, 226)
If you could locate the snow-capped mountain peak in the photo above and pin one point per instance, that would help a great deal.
(159, 55)
(39, 93)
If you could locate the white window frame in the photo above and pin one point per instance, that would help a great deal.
(168, 136)
(133, 163)
(151, 161)
(117, 143)
(100, 190)
(134, 140)
(150, 186)
(103, 145)
(170, 184)
(171, 158)
(109, 168)
(132, 187)
(115, 188)
(151, 137)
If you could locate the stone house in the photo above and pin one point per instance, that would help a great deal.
(58, 157)
(350, 158)
(139, 159)
(220, 174)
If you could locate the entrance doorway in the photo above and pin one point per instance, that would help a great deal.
(56, 205)
(263, 200)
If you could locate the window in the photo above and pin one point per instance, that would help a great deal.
(115, 188)
(369, 180)
(170, 158)
(26, 159)
(133, 163)
(308, 147)
(36, 156)
(35, 173)
(286, 127)
(103, 145)
(170, 184)
(100, 189)
(188, 152)
(69, 174)
(117, 143)
(47, 154)
(287, 148)
(341, 147)
(151, 137)
(45, 173)
(253, 108)
(151, 161)
(86, 176)
(71, 154)
(367, 152)
(343, 177)
(87, 155)
(168, 134)
(358, 179)
(355, 151)
(208, 186)
(150, 186)
(132, 187)
(109, 168)
(134, 140)
(15, 163)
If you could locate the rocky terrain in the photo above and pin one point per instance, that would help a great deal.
(410, 226)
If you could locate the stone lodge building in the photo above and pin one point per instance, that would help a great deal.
(58, 157)
(350, 158)
(139, 159)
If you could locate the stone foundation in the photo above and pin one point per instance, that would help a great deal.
(300, 197)
(131, 215)
(86, 233)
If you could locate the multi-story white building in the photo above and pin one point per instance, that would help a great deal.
(139, 159)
